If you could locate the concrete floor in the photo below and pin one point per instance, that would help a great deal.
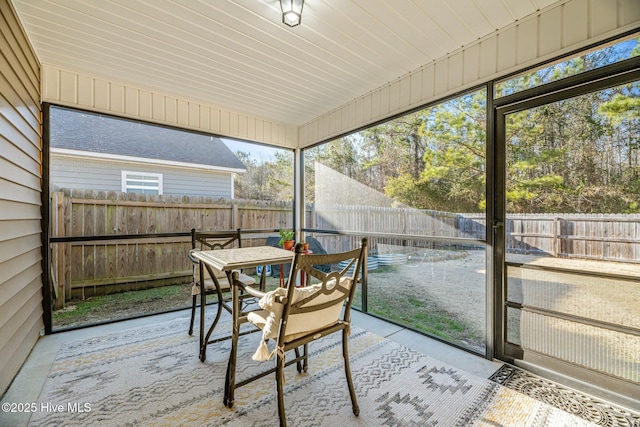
(28, 384)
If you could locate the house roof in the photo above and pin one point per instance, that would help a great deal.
(96, 133)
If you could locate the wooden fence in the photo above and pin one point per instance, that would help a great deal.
(82, 269)
(611, 237)
(608, 237)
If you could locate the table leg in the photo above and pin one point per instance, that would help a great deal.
(218, 313)
(230, 379)
(281, 275)
(263, 279)
(203, 303)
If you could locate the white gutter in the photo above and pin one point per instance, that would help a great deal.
(105, 156)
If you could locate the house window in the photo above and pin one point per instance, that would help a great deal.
(141, 182)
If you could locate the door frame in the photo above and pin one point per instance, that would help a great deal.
(592, 81)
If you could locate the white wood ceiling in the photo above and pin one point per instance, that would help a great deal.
(238, 55)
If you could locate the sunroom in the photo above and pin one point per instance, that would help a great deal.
(488, 151)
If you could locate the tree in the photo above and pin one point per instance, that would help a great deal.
(576, 155)
(266, 179)
(452, 178)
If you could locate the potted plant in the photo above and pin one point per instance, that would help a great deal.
(286, 238)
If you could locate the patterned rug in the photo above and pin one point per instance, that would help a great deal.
(152, 377)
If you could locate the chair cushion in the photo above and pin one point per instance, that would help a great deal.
(268, 319)
(196, 272)
(261, 317)
(222, 280)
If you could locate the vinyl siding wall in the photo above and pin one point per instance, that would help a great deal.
(20, 189)
(102, 175)
(72, 89)
(553, 31)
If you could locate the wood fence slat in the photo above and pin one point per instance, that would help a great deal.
(78, 213)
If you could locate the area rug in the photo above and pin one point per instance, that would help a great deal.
(152, 376)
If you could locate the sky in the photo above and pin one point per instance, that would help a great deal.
(259, 152)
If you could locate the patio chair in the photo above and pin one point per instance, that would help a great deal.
(294, 317)
(215, 282)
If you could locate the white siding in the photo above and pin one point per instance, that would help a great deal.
(553, 31)
(93, 93)
(20, 189)
(102, 175)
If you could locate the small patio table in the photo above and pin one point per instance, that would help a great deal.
(228, 260)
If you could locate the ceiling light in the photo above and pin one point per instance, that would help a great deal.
(291, 12)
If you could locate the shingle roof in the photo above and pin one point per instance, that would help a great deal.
(82, 131)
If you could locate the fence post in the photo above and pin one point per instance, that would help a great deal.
(58, 256)
(556, 236)
(235, 220)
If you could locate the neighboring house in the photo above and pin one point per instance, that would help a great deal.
(91, 151)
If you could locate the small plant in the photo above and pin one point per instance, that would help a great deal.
(285, 235)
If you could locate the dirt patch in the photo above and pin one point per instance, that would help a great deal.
(443, 294)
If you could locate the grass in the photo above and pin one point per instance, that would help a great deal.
(399, 306)
(416, 313)
(124, 304)
(128, 304)
(390, 296)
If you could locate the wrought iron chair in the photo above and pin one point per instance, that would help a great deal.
(215, 282)
(294, 317)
